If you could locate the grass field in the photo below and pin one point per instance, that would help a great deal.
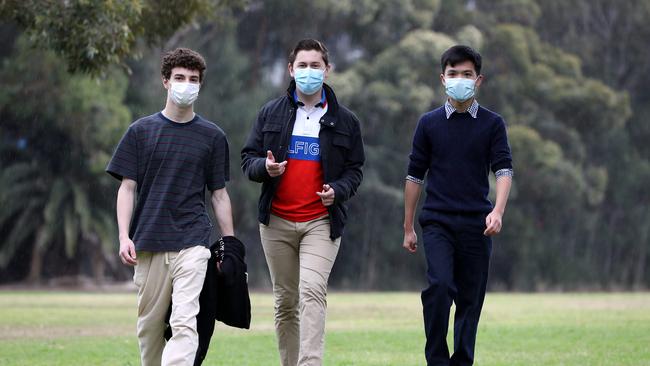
(56, 328)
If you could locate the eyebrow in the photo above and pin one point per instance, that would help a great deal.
(455, 71)
(185, 76)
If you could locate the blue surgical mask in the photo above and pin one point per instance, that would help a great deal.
(460, 89)
(308, 80)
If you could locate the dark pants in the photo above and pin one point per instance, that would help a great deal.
(458, 256)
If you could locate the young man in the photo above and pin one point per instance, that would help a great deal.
(166, 161)
(306, 150)
(458, 144)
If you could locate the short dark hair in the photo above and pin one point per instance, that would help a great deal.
(309, 45)
(182, 57)
(458, 54)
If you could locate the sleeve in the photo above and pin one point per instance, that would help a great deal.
(420, 156)
(218, 172)
(253, 155)
(124, 163)
(347, 184)
(500, 156)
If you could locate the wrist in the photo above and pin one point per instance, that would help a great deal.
(498, 211)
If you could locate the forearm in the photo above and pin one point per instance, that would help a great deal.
(223, 211)
(347, 184)
(254, 168)
(253, 153)
(502, 192)
(124, 207)
(412, 192)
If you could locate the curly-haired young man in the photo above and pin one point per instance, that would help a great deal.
(167, 160)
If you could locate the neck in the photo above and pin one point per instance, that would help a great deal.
(461, 106)
(310, 100)
(178, 114)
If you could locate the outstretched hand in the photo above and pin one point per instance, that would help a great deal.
(274, 169)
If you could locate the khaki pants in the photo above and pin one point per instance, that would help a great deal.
(162, 277)
(300, 256)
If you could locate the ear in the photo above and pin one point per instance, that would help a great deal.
(166, 83)
(479, 80)
(326, 73)
(442, 79)
(290, 69)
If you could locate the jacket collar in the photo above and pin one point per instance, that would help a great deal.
(330, 118)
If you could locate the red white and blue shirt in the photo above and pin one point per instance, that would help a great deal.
(296, 199)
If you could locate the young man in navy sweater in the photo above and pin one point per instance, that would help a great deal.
(456, 146)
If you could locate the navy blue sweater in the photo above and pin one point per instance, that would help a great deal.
(458, 154)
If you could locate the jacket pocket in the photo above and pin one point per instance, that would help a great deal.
(271, 135)
(342, 139)
(272, 127)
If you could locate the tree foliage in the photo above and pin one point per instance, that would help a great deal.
(58, 133)
(562, 75)
(93, 35)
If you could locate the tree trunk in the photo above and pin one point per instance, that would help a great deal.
(36, 266)
(642, 256)
(257, 55)
(98, 260)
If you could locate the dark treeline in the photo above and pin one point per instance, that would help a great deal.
(569, 78)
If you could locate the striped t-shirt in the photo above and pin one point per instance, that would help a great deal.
(172, 163)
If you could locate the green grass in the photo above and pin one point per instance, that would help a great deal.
(55, 328)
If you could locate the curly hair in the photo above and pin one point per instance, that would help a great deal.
(182, 57)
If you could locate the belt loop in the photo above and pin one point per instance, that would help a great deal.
(167, 258)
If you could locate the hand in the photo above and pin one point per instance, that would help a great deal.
(127, 252)
(274, 169)
(492, 223)
(327, 195)
(410, 240)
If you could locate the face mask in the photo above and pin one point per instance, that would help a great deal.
(308, 80)
(184, 94)
(460, 89)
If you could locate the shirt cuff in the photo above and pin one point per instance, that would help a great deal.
(501, 173)
(415, 180)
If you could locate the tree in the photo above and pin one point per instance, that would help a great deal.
(93, 35)
(59, 131)
(559, 74)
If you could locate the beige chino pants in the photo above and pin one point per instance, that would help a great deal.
(162, 277)
(300, 256)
